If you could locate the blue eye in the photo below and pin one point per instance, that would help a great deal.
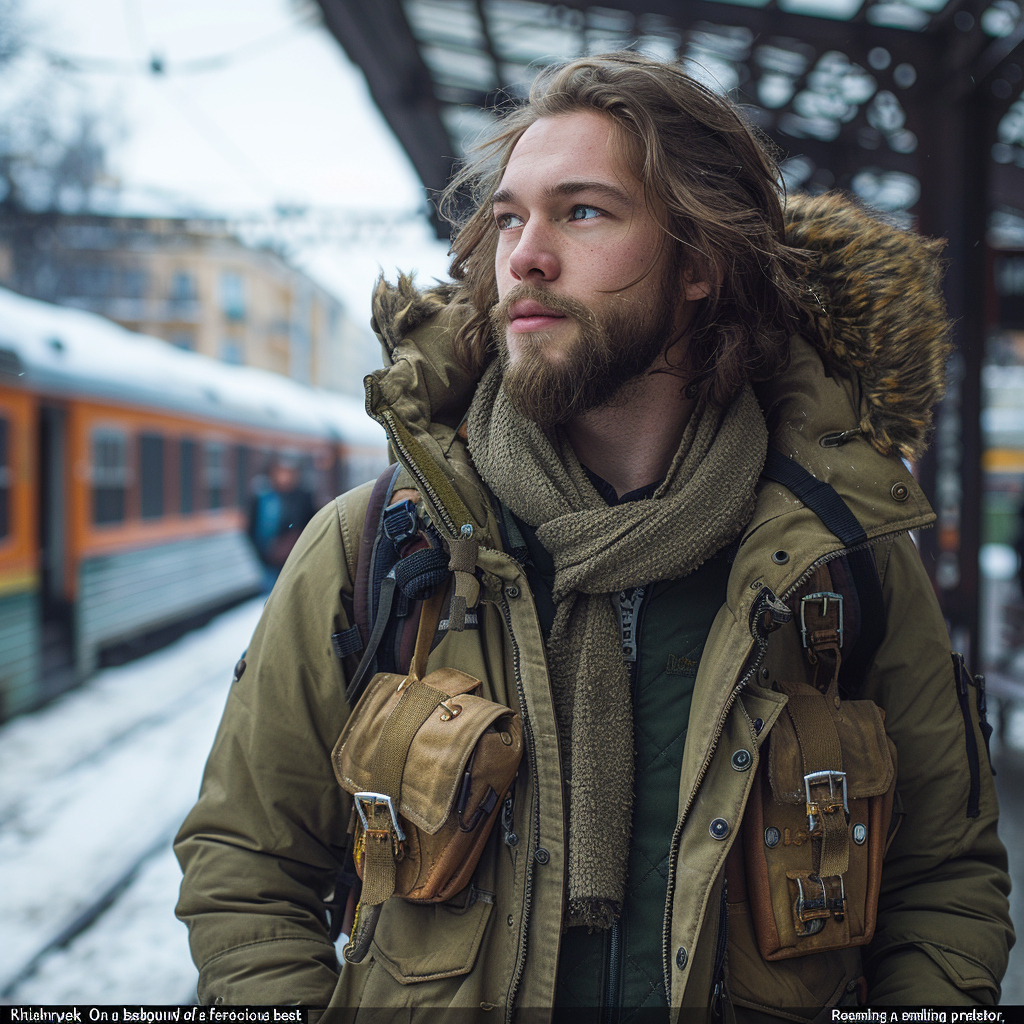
(582, 212)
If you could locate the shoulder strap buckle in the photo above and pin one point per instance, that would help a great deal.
(833, 621)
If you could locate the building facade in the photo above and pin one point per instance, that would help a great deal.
(193, 283)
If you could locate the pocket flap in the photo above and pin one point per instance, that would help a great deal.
(867, 761)
(440, 749)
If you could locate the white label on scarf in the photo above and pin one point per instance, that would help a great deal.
(629, 609)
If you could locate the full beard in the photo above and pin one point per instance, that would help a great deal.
(610, 351)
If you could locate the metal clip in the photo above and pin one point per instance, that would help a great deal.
(811, 911)
(814, 811)
(378, 798)
(824, 597)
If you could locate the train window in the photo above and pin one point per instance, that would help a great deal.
(187, 484)
(215, 472)
(151, 475)
(109, 475)
(243, 459)
(5, 478)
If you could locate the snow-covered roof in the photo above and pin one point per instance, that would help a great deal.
(63, 351)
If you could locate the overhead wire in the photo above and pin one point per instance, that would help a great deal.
(156, 65)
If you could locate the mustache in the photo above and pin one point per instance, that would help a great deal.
(500, 314)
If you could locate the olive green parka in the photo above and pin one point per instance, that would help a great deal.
(261, 849)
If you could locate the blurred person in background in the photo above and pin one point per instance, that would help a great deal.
(279, 510)
(651, 494)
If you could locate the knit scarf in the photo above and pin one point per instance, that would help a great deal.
(598, 550)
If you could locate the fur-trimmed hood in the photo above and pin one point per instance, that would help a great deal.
(874, 298)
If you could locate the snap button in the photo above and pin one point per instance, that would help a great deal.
(900, 492)
(758, 725)
(511, 920)
(511, 590)
(772, 837)
(741, 760)
(681, 957)
(505, 738)
(765, 673)
(719, 828)
(541, 856)
(860, 833)
(780, 557)
(239, 669)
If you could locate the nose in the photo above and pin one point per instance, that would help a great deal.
(534, 257)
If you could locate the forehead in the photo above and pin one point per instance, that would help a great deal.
(567, 145)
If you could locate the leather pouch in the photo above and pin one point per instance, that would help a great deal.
(459, 766)
(428, 762)
(822, 802)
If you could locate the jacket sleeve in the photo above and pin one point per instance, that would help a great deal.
(262, 846)
(943, 933)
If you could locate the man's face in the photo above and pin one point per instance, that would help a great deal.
(588, 298)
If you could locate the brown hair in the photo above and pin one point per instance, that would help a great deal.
(699, 161)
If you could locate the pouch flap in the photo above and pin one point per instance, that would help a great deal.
(865, 750)
(439, 752)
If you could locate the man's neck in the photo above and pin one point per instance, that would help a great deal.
(631, 442)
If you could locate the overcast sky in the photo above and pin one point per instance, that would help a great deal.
(287, 119)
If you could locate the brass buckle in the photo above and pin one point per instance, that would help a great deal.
(814, 810)
(824, 597)
(373, 799)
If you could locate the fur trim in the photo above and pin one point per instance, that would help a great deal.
(878, 314)
(400, 308)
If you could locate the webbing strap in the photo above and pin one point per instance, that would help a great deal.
(821, 498)
(358, 683)
(819, 746)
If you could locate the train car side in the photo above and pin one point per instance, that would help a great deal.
(126, 474)
(20, 625)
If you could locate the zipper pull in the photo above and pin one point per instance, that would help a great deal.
(768, 613)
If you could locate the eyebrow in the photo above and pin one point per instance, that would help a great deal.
(570, 188)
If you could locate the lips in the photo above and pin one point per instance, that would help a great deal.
(530, 315)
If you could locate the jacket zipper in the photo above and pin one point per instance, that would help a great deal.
(535, 775)
(612, 995)
(390, 423)
(762, 649)
(718, 976)
(963, 696)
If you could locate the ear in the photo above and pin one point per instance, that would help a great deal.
(694, 290)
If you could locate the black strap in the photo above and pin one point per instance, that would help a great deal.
(359, 680)
(821, 498)
(872, 620)
(824, 501)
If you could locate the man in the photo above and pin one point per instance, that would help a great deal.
(583, 420)
(278, 513)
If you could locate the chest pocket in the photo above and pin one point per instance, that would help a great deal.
(430, 942)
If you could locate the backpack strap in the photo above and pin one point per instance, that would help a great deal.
(825, 502)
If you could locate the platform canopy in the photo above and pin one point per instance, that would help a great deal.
(851, 90)
(915, 106)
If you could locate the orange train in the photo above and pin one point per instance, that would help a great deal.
(126, 470)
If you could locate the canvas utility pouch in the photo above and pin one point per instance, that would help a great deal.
(427, 762)
(816, 824)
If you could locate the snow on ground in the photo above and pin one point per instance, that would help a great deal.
(135, 954)
(91, 786)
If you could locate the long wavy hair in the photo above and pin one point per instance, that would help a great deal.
(697, 159)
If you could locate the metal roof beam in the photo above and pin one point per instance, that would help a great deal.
(376, 35)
